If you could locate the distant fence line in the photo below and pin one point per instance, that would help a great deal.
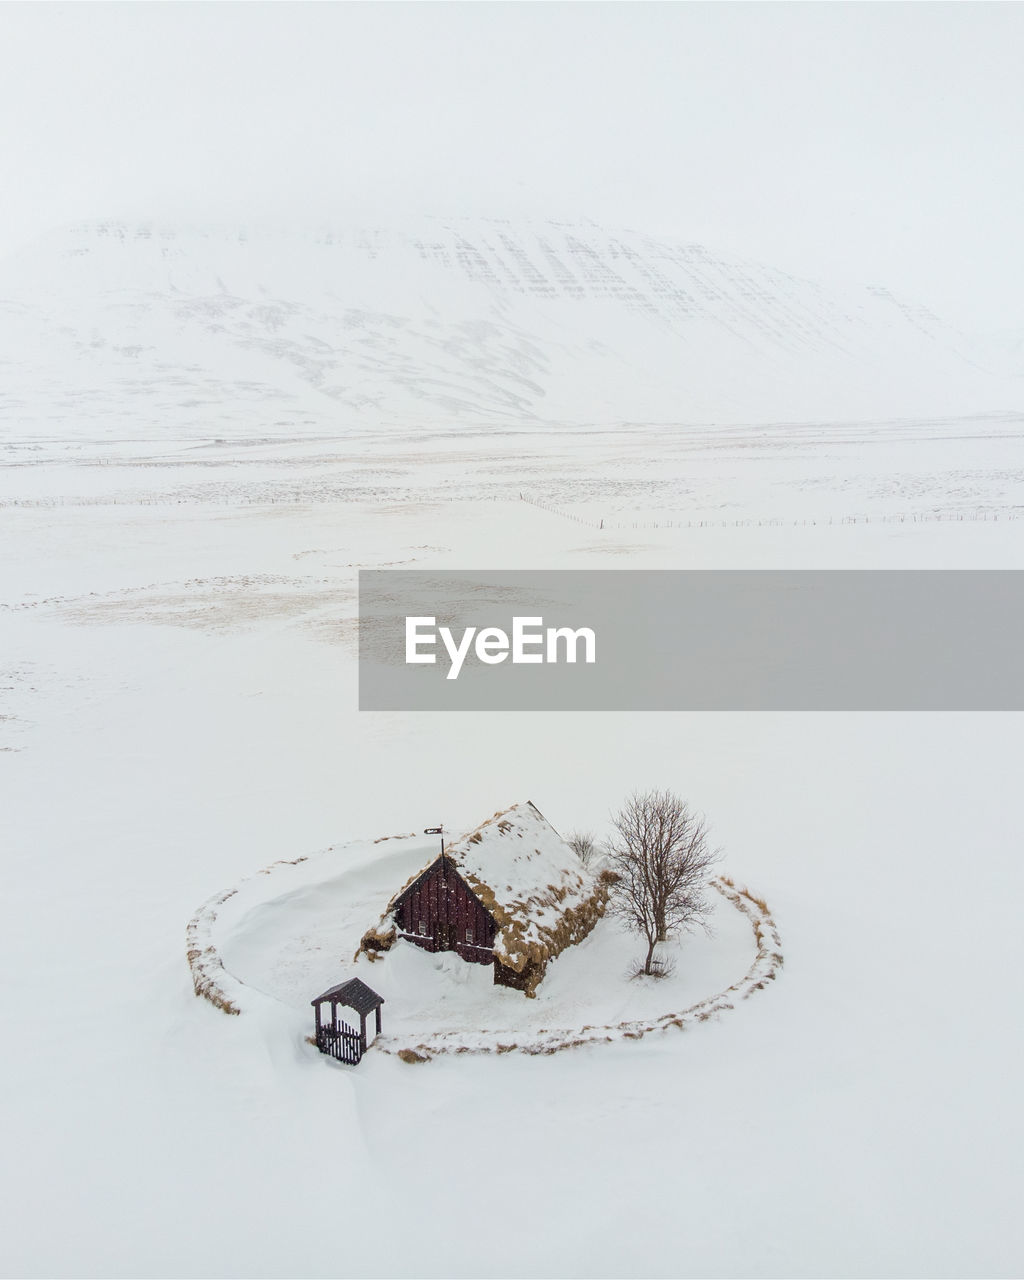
(191, 501)
(223, 500)
(976, 514)
(980, 515)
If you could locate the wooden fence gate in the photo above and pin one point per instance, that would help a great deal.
(335, 1037)
(345, 1045)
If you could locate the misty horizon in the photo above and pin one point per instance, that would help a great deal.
(858, 143)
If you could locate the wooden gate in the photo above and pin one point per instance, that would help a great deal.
(344, 1044)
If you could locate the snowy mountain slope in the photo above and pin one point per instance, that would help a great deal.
(117, 329)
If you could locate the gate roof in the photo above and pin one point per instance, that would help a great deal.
(354, 993)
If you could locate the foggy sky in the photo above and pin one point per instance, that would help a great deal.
(869, 142)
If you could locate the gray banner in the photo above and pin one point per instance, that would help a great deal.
(838, 640)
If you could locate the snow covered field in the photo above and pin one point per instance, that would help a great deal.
(177, 711)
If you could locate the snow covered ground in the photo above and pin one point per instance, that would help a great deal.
(282, 933)
(177, 711)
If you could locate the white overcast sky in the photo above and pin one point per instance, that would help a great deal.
(882, 143)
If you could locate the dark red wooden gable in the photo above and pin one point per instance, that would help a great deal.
(440, 912)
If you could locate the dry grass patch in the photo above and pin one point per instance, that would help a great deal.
(204, 962)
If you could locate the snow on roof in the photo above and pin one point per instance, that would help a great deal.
(519, 856)
(540, 895)
(354, 993)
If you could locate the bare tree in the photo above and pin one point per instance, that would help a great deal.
(662, 857)
(583, 845)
